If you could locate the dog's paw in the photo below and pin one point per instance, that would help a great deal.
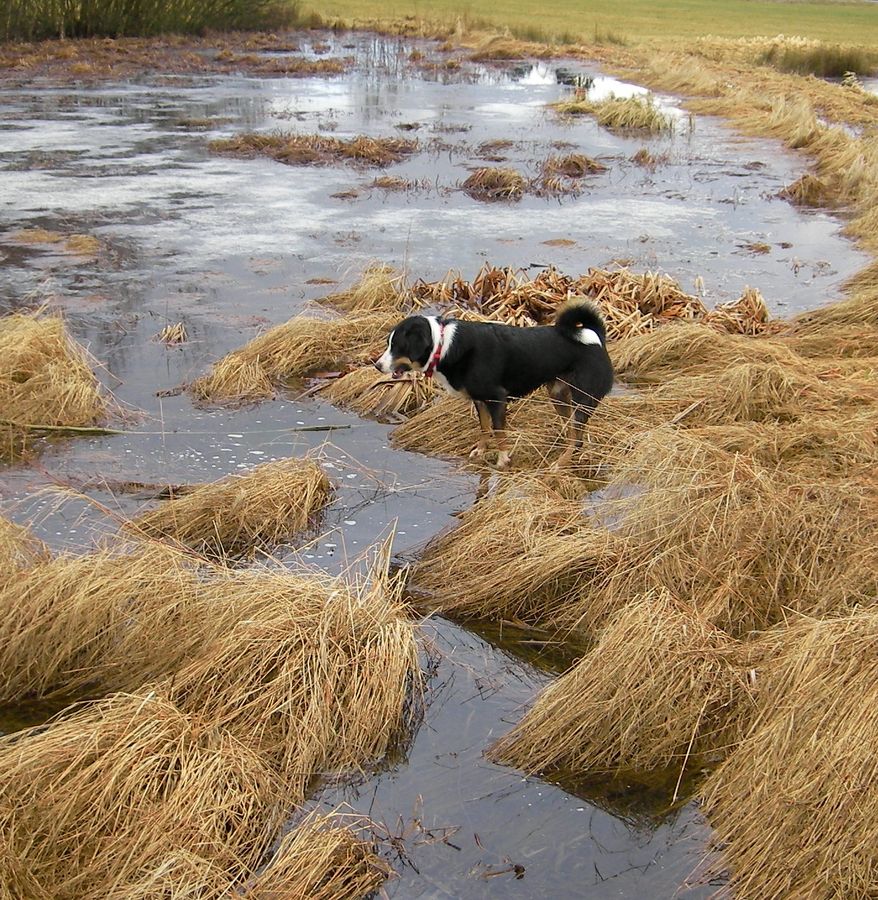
(477, 453)
(503, 458)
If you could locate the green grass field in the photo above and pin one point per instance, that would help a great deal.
(633, 21)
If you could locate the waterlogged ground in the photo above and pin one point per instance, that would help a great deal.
(231, 246)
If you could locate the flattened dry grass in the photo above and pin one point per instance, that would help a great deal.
(381, 287)
(292, 350)
(45, 376)
(372, 393)
(241, 514)
(659, 684)
(320, 861)
(794, 804)
(316, 149)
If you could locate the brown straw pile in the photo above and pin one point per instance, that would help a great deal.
(371, 393)
(239, 514)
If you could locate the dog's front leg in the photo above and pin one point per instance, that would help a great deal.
(498, 423)
(484, 430)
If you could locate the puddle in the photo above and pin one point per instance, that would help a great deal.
(230, 246)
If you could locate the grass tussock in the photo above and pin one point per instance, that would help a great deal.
(638, 113)
(130, 795)
(319, 860)
(74, 244)
(573, 165)
(491, 184)
(371, 393)
(541, 556)
(292, 350)
(746, 315)
(317, 150)
(381, 287)
(173, 334)
(793, 805)
(19, 550)
(825, 60)
(241, 514)
(808, 190)
(659, 684)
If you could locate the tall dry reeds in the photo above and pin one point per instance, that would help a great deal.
(298, 347)
(242, 513)
(19, 550)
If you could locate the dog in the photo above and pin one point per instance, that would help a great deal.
(491, 364)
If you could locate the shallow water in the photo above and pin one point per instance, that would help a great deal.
(228, 247)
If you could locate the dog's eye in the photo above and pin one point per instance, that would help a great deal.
(578, 325)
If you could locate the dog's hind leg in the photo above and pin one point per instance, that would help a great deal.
(485, 426)
(584, 406)
(497, 408)
(562, 400)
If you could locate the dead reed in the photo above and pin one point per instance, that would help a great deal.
(371, 393)
(242, 513)
(659, 685)
(637, 113)
(492, 184)
(381, 287)
(315, 149)
(794, 805)
(298, 347)
(173, 334)
(319, 860)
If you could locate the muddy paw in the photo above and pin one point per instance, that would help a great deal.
(477, 453)
(503, 459)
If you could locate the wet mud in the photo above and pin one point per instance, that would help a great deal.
(229, 246)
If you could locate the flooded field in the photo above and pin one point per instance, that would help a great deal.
(229, 246)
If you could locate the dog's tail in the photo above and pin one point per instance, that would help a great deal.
(581, 320)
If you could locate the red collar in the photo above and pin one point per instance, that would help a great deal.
(437, 353)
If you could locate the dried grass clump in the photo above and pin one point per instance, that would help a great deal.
(808, 190)
(45, 377)
(539, 550)
(319, 860)
(746, 315)
(315, 149)
(109, 801)
(638, 113)
(492, 184)
(292, 350)
(573, 165)
(19, 550)
(659, 685)
(381, 287)
(173, 334)
(371, 393)
(75, 244)
(794, 805)
(239, 514)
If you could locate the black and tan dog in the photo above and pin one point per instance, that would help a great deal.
(491, 363)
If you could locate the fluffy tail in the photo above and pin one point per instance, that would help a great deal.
(581, 320)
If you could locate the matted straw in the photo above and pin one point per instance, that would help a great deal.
(372, 393)
(794, 805)
(292, 350)
(102, 802)
(45, 380)
(747, 315)
(321, 860)
(539, 550)
(660, 684)
(242, 513)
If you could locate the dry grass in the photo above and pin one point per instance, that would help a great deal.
(173, 334)
(292, 350)
(317, 150)
(19, 550)
(242, 513)
(540, 555)
(74, 244)
(619, 114)
(128, 797)
(794, 804)
(371, 393)
(746, 315)
(659, 684)
(381, 287)
(808, 190)
(573, 165)
(492, 184)
(45, 377)
(319, 860)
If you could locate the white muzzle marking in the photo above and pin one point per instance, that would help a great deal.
(385, 361)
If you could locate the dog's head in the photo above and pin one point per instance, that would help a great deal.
(408, 347)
